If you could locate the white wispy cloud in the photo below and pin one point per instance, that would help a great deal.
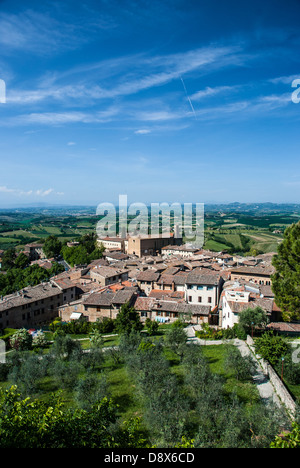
(122, 76)
(208, 92)
(142, 131)
(61, 118)
(33, 31)
(39, 32)
(261, 105)
(114, 83)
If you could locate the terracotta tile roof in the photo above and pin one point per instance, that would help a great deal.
(144, 303)
(180, 307)
(161, 293)
(203, 277)
(108, 297)
(29, 294)
(284, 327)
(148, 275)
(107, 272)
(254, 270)
(264, 303)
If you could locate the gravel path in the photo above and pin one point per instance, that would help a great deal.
(264, 386)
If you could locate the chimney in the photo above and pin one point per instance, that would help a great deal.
(173, 286)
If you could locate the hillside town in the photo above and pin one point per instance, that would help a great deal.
(163, 279)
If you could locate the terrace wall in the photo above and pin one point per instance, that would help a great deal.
(278, 385)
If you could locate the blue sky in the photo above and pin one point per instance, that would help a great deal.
(164, 101)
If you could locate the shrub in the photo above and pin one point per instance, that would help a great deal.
(152, 326)
(21, 340)
(104, 325)
(39, 340)
(96, 339)
(271, 347)
(208, 333)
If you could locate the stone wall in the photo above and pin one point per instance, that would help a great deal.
(278, 385)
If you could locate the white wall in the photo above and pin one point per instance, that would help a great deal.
(193, 292)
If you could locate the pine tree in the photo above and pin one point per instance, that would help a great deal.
(286, 280)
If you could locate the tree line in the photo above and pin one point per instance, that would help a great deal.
(20, 274)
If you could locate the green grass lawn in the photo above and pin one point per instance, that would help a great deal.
(245, 390)
(122, 390)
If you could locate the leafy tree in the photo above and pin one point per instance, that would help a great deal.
(89, 242)
(178, 324)
(152, 326)
(94, 359)
(64, 348)
(28, 372)
(75, 255)
(87, 250)
(271, 347)
(8, 259)
(256, 318)
(104, 325)
(176, 339)
(36, 424)
(66, 372)
(166, 412)
(18, 278)
(286, 279)
(241, 366)
(197, 373)
(291, 370)
(127, 320)
(22, 261)
(52, 247)
(288, 439)
(96, 339)
(89, 390)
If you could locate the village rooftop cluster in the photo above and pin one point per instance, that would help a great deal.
(162, 278)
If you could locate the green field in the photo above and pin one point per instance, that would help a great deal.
(260, 240)
(238, 229)
(17, 231)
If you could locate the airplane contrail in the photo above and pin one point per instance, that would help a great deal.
(192, 107)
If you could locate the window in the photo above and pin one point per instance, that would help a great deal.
(209, 288)
(199, 299)
(209, 300)
(199, 288)
(190, 298)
